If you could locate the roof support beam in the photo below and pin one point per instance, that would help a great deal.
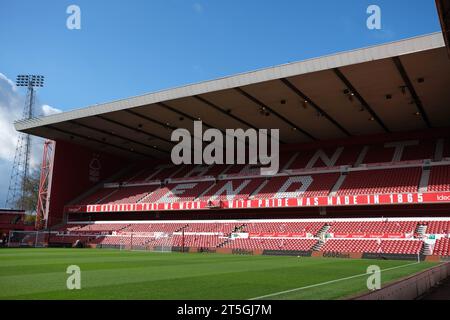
(137, 114)
(283, 118)
(215, 107)
(167, 107)
(358, 96)
(289, 84)
(51, 127)
(164, 105)
(118, 136)
(409, 85)
(443, 8)
(134, 129)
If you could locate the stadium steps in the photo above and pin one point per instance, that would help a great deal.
(148, 196)
(427, 249)
(222, 244)
(322, 231)
(144, 197)
(318, 246)
(337, 185)
(420, 230)
(424, 179)
(127, 226)
(182, 228)
(239, 228)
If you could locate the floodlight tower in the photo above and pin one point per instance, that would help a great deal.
(21, 164)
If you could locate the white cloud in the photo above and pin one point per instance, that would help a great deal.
(48, 111)
(11, 105)
(198, 7)
(11, 109)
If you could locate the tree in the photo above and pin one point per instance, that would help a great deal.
(28, 200)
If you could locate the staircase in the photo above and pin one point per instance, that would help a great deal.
(128, 225)
(323, 231)
(318, 245)
(423, 184)
(421, 229)
(182, 228)
(220, 245)
(337, 185)
(239, 228)
(141, 200)
(427, 249)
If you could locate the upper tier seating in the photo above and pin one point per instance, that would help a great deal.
(439, 179)
(388, 152)
(178, 192)
(300, 183)
(304, 159)
(446, 150)
(402, 180)
(96, 197)
(383, 153)
(232, 190)
(128, 195)
(292, 187)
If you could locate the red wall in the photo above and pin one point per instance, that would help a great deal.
(72, 175)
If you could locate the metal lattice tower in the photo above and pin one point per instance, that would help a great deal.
(21, 164)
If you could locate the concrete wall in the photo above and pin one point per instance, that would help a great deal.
(412, 287)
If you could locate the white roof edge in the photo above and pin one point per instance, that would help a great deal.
(378, 52)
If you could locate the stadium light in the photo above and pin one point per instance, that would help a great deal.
(30, 80)
(21, 164)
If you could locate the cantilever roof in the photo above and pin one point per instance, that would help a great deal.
(394, 87)
(443, 7)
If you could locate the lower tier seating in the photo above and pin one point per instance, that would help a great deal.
(442, 247)
(397, 237)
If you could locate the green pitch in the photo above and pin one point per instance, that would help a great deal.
(108, 274)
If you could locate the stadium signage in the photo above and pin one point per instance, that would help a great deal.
(233, 142)
(360, 200)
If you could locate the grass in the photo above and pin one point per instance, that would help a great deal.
(110, 274)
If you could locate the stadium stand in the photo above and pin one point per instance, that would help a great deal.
(400, 180)
(376, 236)
(373, 176)
(362, 177)
(439, 179)
(442, 247)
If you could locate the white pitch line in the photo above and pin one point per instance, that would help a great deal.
(328, 282)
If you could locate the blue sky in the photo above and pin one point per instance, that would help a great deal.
(127, 48)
